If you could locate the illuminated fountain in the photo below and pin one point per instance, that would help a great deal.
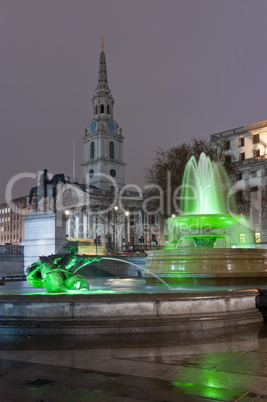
(203, 253)
(69, 307)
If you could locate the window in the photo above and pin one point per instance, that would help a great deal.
(238, 176)
(239, 196)
(102, 109)
(254, 173)
(256, 138)
(92, 150)
(131, 219)
(228, 159)
(153, 220)
(227, 145)
(256, 153)
(241, 141)
(111, 150)
(108, 109)
(242, 156)
(253, 189)
(96, 109)
(242, 238)
(257, 237)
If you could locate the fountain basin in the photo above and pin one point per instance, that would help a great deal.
(216, 266)
(67, 314)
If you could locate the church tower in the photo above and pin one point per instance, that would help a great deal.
(103, 165)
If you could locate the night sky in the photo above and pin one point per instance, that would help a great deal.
(177, 69)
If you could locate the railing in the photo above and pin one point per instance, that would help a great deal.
(241, 130)
(140, 248)
(11, 278)
(249, 161)
(11, 249)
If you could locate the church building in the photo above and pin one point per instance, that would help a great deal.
(101, 210)
(103, 165)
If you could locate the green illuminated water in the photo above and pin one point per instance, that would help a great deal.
(206, 203)
(206, 188)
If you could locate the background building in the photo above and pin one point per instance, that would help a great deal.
(245, 151)
(11, 216)
(103, 165)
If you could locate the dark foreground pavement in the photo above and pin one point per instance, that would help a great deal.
(216, 365)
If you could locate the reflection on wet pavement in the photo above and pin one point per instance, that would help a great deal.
(223, 364)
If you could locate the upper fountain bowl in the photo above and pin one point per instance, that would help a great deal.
(212, 221)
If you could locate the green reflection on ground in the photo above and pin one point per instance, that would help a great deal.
(208, 391)
(86, 292)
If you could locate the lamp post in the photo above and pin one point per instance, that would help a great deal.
(115, 228)
(67, 224)
(126, 229)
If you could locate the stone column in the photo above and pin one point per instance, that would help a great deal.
(80, 223)
(85, 224)
(90, 226)
(71, 224)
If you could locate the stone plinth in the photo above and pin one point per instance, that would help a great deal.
(44, 234)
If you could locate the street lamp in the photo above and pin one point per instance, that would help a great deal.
(115, 228)
(127, 213)
(67, 224)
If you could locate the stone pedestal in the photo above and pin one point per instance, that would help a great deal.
(44, 234)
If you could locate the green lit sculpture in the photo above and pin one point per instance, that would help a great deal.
(59, 273)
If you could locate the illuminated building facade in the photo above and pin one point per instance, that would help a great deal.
(245, 150)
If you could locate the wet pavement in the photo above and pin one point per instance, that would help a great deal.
(213, 365)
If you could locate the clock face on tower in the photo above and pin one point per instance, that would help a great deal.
(93, 126)
(111, 125)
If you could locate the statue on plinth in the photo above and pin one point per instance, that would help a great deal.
(46, 188)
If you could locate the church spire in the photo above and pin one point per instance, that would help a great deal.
(102, 44)
(102, 73)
